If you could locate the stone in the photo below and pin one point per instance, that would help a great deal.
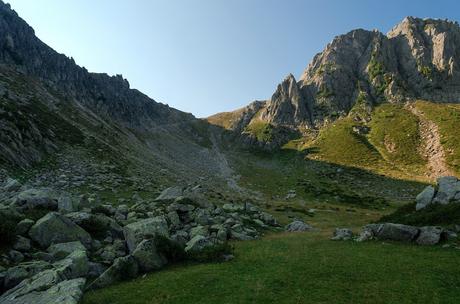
(342, 234)
(15, 256)
(23, 227)
(199, 230)
(36, 198)
(430, 235)
(268, 219)
(14, 275)
(67, 204)
(55, 228)
(62, 250)
(147, 256)
(75, 265)
(365, 235)
(397, 232)
(297, 226)
(65, 292)
(95, 270)
(11, 185)
(122, 268)
(448, 187)
(197, 243)
(425, 198)
(97, 224)
(174, 219)
(22, 244)
(170, 194)
(136, 232)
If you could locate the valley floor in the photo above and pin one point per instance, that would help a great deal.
(305, 268)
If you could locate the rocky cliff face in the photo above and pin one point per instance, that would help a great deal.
(106, 95)
(418, 58)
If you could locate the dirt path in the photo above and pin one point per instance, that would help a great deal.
(431, 145)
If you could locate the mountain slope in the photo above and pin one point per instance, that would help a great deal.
(340, 101)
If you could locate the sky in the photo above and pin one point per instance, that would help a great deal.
(209, 56)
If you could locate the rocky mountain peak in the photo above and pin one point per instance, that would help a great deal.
(288, 106)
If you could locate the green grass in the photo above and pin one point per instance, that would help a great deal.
(447, 118)
(302, 268)
(395, 133)
(339, 144)
(261, 130)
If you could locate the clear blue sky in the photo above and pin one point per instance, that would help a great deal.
(208, 56)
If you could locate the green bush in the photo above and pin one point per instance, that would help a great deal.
(172, 250)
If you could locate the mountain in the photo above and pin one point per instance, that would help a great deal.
(348, 82)
(54, 112)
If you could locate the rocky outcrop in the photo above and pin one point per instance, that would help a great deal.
(427, 235)
(446, 191)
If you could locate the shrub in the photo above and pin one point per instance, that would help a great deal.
(172, 250)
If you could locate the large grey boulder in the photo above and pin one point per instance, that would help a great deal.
(67, 203)
(342, 234)
(298, 226)
(425, 197)
(430, 235)
(170, 194)
(147, 228)
(397, 232)
(55, 228)
(448, 187)
(75, 265)
(62, 250)
(98, 224)
(198, 243)
(14, 275)
(122, 268)
(147, 256)
(65, 292)
(36, 199)
(11, 185)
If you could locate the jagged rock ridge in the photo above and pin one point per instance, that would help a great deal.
(417, 59)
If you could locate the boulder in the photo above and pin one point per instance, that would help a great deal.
(36, 199)
(430, 235)
(397, 232)
(170, 194)
(425, 197)
(448, 187)
(365, 235)
(55, 228)
(62, 250)
(138, 231)
(297, 226)
(147, 256)
(22, 244)
(123, 268)
(14, 275)
(22, 228)
(199, 230)
(96, 224)
(67, 204)
(75, 265)
(197, 243)
(65, 292)
(11, 185)
(342, 234)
